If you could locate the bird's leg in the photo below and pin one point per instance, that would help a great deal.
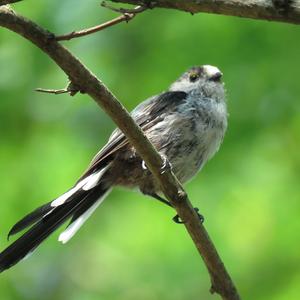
(176, 219)
(166, 166)
(157, 197)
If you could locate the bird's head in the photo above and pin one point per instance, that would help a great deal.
(205, 80)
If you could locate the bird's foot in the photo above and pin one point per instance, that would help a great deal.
(166, 165)
(177, 219)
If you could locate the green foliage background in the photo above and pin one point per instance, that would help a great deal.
(130, 249)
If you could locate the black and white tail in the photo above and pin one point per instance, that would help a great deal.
(77, 205)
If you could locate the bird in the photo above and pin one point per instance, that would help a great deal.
(186, 124)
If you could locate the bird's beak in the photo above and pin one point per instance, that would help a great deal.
(216, 77)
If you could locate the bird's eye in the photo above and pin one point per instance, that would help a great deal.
(194, 77)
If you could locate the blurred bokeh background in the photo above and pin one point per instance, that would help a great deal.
(130, 249)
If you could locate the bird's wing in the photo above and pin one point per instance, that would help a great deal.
(146, 115)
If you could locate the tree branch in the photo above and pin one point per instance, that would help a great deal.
(86, 82)
(4, 2)
(272, 10)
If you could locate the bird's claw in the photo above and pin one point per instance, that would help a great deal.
(144, 166)
(177, 219)
(166, 165)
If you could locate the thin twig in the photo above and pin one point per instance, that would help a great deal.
(126, 16)
(83, 32)
(71, 88)
(170, 186)
(56, 92)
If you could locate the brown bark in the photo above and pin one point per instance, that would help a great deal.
(272, 10)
